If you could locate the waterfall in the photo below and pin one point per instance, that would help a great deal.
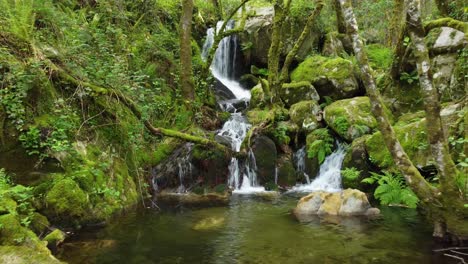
(249, 180)
(329, 178)
(300, 159)
(184, 168)
(223, 65)
(235, 129)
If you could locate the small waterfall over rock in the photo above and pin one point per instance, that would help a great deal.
(184, 168)
(235, 129)
(329, 178)
(224, 62)
(299, 158)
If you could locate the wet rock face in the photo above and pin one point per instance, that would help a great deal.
(306, 115)
(292, 93)
(265, 153)
(349, 202)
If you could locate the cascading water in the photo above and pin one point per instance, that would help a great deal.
(235, 129)
(184, 168)
(329, 178)
(300, 159)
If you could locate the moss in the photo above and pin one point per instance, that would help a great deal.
(7, 205)
(432, 36)
(412, 137)
(304, 114)
(39, 223)
(257, 116)
(295, 92)
(66, 200)
(380, 57)
(317, 67)
(25, 255)
(12, 233)
(55, 237)
(163, 150)
(351, 118)
(257, 97)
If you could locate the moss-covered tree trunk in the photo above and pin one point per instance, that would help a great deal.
(427, 193)
(297, 45)
(435, 131)
(274, 52)
(340, 23)
(185, 34)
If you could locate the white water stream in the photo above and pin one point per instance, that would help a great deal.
(329, 178)
(236, 128)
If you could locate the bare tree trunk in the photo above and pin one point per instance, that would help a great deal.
(436, 136)
(186, 73)
(417, 183)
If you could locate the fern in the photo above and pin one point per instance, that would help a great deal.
(18, 17)
(341, 125)
(392, 190)
(322, 146)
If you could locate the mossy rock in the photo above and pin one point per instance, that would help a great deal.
(12, 233)
(306, 115)
(351, 118)
(25, 255)
(54, 239)
(257, 116)
(66, 200)
(265, 156)
(292, 93)
(39, 223)
(257, 98)
(7, 205)
(287, 175)
(356, 157)
(411, 131)
(333, 47)
(333, 77)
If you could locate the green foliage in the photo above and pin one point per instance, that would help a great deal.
(17, 17)
(409, 77)
(280, 134)
(321, 146)
(392, 190)
(341, 124)
(350, 176)
(380, 57)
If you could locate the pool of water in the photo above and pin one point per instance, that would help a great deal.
(253, 230)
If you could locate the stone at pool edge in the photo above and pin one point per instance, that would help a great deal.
(349, 202)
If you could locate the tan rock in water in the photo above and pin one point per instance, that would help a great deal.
(349, 202)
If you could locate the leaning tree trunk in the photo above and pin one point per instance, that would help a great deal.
(427, 193)
(185, 34)
(447, 171)
(340, 23)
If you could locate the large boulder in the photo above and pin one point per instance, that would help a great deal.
(351, 118)
(333, 47)
(445, 39)
(356, 157)
(66, 201)
(332, 77)
(349, 202)
(292, 93)
(257, 36)
(412, 134)
(265, 153)
(306, 115)
(286, 173)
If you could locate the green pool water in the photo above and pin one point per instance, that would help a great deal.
(253, 230)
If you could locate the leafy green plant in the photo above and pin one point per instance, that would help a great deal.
(392, 190)
(341, 125)
(409, 77)
(328, 101)
(281, 134)
(349, 176)
(322, 146)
